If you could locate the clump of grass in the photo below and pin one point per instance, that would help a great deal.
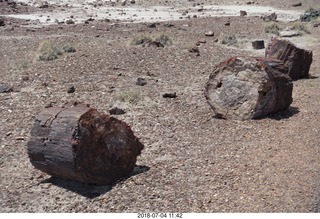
(300, 27)
(144, 38)
(46, 51)
(129, 97)
(228, 39)
(140, 39)
(272, 28)
(163, 39)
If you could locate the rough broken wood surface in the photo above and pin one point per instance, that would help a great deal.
(297, 60)
(247, 88)
(82, 144)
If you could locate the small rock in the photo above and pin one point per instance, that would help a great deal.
(25, 78)
(153, 44)
(20, 138)
(5, 88)
(315, 25)
(297, 4)
(289, 33)
(152, 25)
(170, 95)
(168, 25)
(44, 4)
(227, 23)
(2, 23)
(209, 33)
(243, 13)
(132, 1)
(271, 17)
(258, 44)
(141, 81)
(116, 111)
(71, 89)
(194, 50)
(70, 21)
(48, 105)
(202, 41)
(123, 2)
(8, 134)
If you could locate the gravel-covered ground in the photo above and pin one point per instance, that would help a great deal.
(192, 162)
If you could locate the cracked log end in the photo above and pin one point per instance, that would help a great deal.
(248, 88)
(80, 143)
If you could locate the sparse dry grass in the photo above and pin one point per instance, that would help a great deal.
(46, 51)
(272, 28)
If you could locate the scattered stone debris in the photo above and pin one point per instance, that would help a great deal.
(258, 44)
(5, 88)
(71, 89)
(116, 111)
(310, 15)
(243, 13)
(195, 50)
(271, 17)
(141, 81)
(170, 95)
(209, 33)
(297, 4)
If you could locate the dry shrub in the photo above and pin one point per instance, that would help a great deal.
(228, 39)
(272, 28)
(46, 51)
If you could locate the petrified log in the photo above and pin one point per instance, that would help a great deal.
(297, 60)
(82, 144)
(248, 88)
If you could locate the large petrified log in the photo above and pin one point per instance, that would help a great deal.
(247, 88)
(82, 144)
(297, 60)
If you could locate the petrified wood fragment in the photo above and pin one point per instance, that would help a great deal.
(297, 60)
(247, 88)
(82, 144)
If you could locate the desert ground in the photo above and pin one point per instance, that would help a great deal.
(191, 161)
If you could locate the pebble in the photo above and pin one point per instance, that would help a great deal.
(141, 81)
(71, 89)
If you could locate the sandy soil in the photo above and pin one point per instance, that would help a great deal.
(192, 162)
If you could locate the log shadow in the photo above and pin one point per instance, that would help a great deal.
(89, 190)
(285, 114)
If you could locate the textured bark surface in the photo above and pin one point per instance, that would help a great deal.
(297, 60)
(247, 88)
(82, 144)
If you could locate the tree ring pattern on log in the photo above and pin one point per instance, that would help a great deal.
(242, 88)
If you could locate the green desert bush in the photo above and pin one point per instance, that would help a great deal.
(272, 28)
(46, 51)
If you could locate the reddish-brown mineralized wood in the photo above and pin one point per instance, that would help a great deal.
(82, 144)
(297, 60)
